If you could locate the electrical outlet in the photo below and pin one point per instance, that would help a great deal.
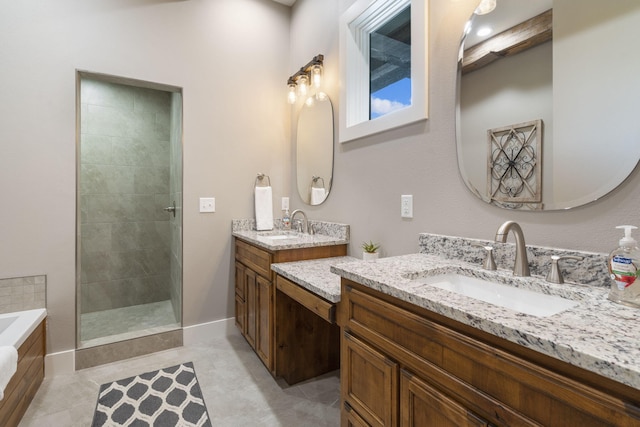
(207, 204)
(406, 206)
(285, 203)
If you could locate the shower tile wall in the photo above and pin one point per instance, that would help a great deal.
(124, 186)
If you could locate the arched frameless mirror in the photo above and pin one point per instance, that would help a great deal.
(314, 147)
(548, 123)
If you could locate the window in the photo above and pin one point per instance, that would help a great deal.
(390, 65)
(383, 55)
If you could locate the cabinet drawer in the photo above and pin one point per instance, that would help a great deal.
(317, 305)
(388, 326)
(256, 259)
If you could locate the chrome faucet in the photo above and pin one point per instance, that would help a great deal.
(305, 228)
(521, 264)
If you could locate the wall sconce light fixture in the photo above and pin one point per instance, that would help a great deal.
(309, 76)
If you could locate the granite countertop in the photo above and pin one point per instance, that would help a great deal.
(296, 241)
(597, 334)
(327, 234)
(315, 275)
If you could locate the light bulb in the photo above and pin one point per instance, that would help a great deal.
(316, 76)
(485, 7)
(303, 85)
(321, 96)
(484, 31)
(309, 101)
(291, 96)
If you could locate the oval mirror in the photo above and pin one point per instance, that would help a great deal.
(314, 150)
(547, 103)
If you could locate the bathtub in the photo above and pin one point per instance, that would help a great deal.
(24, 330)
(16, 327)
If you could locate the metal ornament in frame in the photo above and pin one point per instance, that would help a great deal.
(514, 170)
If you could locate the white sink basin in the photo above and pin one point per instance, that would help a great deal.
(279, 236)
(517, 299)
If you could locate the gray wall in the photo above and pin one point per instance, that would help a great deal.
(372, 173)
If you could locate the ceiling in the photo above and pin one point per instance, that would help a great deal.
(285, 2)
(506, 15)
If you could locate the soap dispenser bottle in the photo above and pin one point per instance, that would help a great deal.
(624, 265)
(286, 220)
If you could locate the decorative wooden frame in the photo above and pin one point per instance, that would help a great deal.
(514, 168)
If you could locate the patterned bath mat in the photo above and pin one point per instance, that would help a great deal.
(164, 398)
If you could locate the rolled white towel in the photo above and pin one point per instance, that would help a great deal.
(8, 366)
(264, 208)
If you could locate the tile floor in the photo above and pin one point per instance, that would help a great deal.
(237, 389)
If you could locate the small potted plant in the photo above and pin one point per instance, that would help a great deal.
(370, 251)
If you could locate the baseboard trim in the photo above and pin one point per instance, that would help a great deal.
(210, 331)
(60, 363)
(126, 349)
(64, 362)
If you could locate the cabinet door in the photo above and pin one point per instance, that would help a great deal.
(240, 287)
(264, 316)
(350, 418)
(250, 301)
(423, 405)
(369, 382)
(241, 282)
(241, 315)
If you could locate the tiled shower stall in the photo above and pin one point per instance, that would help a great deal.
(130, 170)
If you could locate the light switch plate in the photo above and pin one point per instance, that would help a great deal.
(207, 204)
(285, 203)
(406, 206)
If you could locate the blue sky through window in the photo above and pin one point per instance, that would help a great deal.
(391, 98)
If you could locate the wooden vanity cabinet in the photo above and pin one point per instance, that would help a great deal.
(407, 366)
(255, 291)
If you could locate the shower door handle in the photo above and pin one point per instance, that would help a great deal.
(171, 208)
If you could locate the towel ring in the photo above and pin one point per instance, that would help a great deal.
(261, 178)
(315, 180)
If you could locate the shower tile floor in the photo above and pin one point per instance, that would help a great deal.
(237, 389)
(119, 324)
